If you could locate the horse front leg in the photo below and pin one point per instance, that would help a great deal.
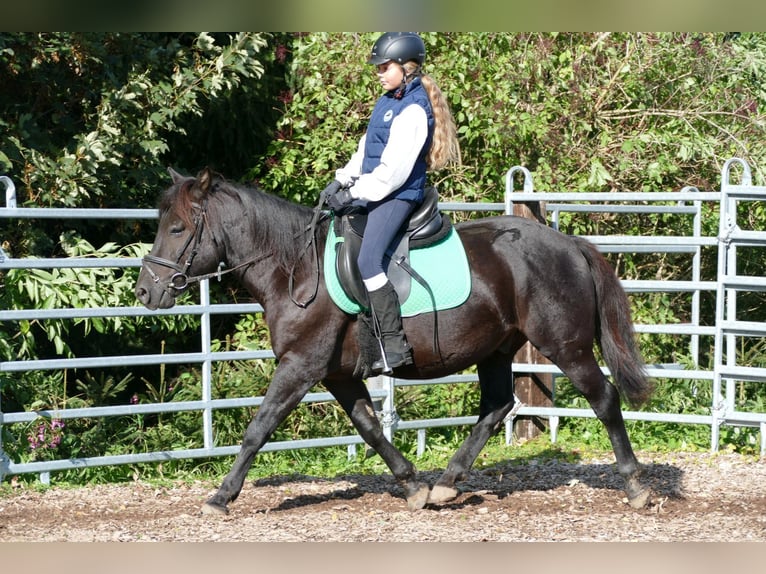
(497, 399)
(285, 392)
(353, 396)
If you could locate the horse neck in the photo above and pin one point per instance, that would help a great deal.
(265, 229)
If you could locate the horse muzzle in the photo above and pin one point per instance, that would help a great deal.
(153, 297)
(155, 292)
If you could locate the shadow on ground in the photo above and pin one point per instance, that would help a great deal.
(541, 472)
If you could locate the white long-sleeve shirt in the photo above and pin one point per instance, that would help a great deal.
(409, 131)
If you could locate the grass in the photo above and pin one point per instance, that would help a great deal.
(578, 439)
(326, 462)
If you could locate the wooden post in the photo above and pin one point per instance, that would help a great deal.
(532, 389)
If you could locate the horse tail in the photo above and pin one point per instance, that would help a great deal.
(614, 329)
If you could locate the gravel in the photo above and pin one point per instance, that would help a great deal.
(696, 497)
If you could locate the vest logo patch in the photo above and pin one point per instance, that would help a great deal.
(389, 114)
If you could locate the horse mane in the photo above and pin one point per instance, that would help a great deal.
(277, 226)
(177, 198)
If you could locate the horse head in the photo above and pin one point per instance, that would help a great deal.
(184, 247)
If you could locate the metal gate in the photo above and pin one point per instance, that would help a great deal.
(724, 376)
(731, 328)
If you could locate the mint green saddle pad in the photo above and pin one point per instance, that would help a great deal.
(444, 266)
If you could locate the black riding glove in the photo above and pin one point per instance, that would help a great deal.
(340, 201)
(331, 188)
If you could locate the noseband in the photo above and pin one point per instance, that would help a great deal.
(180, 280)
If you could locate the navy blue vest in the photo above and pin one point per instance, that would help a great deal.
(379, 128)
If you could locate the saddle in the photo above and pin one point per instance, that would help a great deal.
(426, 226)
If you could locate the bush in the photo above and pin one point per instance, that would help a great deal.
(93, 120)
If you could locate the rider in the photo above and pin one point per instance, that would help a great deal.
(410, 130)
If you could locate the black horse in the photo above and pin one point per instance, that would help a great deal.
(529, 283)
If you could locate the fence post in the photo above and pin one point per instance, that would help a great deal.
(532, 389)
(384, 407)
(10, 192)
(207, 365)
(10, 202)
(4, 460)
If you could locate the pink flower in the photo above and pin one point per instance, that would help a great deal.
(281, 53)
(285, 96)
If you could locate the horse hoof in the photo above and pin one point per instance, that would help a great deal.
(640, 500)
(441, 494)
(638, 494)
(211, 509)
(419, 498)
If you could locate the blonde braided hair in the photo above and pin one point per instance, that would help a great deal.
(445, 147)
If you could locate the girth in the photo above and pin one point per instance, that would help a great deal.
(426, 226)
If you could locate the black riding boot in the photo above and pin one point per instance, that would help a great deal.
(384, 303)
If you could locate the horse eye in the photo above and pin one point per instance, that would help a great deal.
(176, 229)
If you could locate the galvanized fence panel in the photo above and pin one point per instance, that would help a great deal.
(383, 389)
(731, 329)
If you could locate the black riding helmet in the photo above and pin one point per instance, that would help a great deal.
(400, 47)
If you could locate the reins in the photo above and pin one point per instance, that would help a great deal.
(180, 280)
(317, 217)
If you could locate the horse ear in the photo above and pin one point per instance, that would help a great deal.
(174, 175)
(201, 187)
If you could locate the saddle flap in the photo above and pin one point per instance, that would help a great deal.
(346, 254)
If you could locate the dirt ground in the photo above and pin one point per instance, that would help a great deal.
(696, 497)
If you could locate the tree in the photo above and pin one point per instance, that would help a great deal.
(93, 120)
(90, 117)
(585, 111)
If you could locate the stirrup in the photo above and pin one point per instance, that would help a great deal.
(385, 367)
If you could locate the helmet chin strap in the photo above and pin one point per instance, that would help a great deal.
(406, 79)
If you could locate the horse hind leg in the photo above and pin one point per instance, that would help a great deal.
(355, 400)
(604, 399)
(497, 399)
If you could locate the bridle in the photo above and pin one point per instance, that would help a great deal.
(180, 281)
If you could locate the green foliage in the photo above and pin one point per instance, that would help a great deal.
(78, 288)
(72, 288)
(323, 115)
(120, 96)
(93, 119)
(611, 111)
(448, 400)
